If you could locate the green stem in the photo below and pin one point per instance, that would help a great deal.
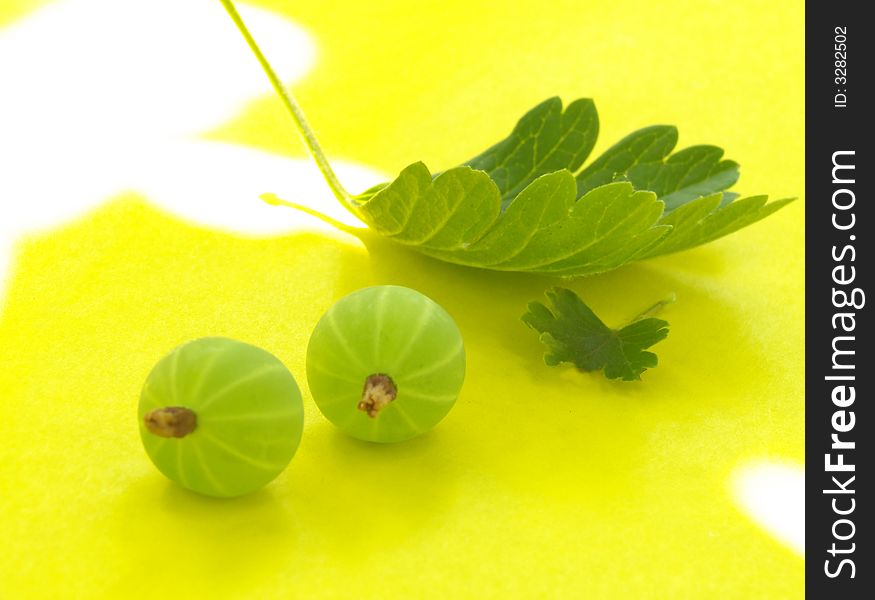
(295, 111)
(656, 307)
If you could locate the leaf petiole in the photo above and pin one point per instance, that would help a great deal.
(296, 113)
(273, 200)
(653, 310)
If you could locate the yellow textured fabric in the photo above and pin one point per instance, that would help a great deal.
(541, 482)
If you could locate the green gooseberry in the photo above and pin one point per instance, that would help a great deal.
(385, 363)
(220, 417)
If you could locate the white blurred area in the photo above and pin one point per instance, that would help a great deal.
(772, 494)
(102, 96)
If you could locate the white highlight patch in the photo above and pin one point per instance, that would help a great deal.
(773, 495)
(101, 96)
(219, 185)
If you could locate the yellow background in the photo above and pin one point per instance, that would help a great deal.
(541, 482)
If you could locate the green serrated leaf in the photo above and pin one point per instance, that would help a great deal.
(544, 230)
(519, 207)
(516, 206)
(574, 334)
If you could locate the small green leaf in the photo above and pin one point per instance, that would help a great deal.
(574, 334)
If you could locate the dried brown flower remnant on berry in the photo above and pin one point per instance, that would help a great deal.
(171, 421)
(379, 391)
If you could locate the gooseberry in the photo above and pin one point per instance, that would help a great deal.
(385, 363)
(220, 417)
